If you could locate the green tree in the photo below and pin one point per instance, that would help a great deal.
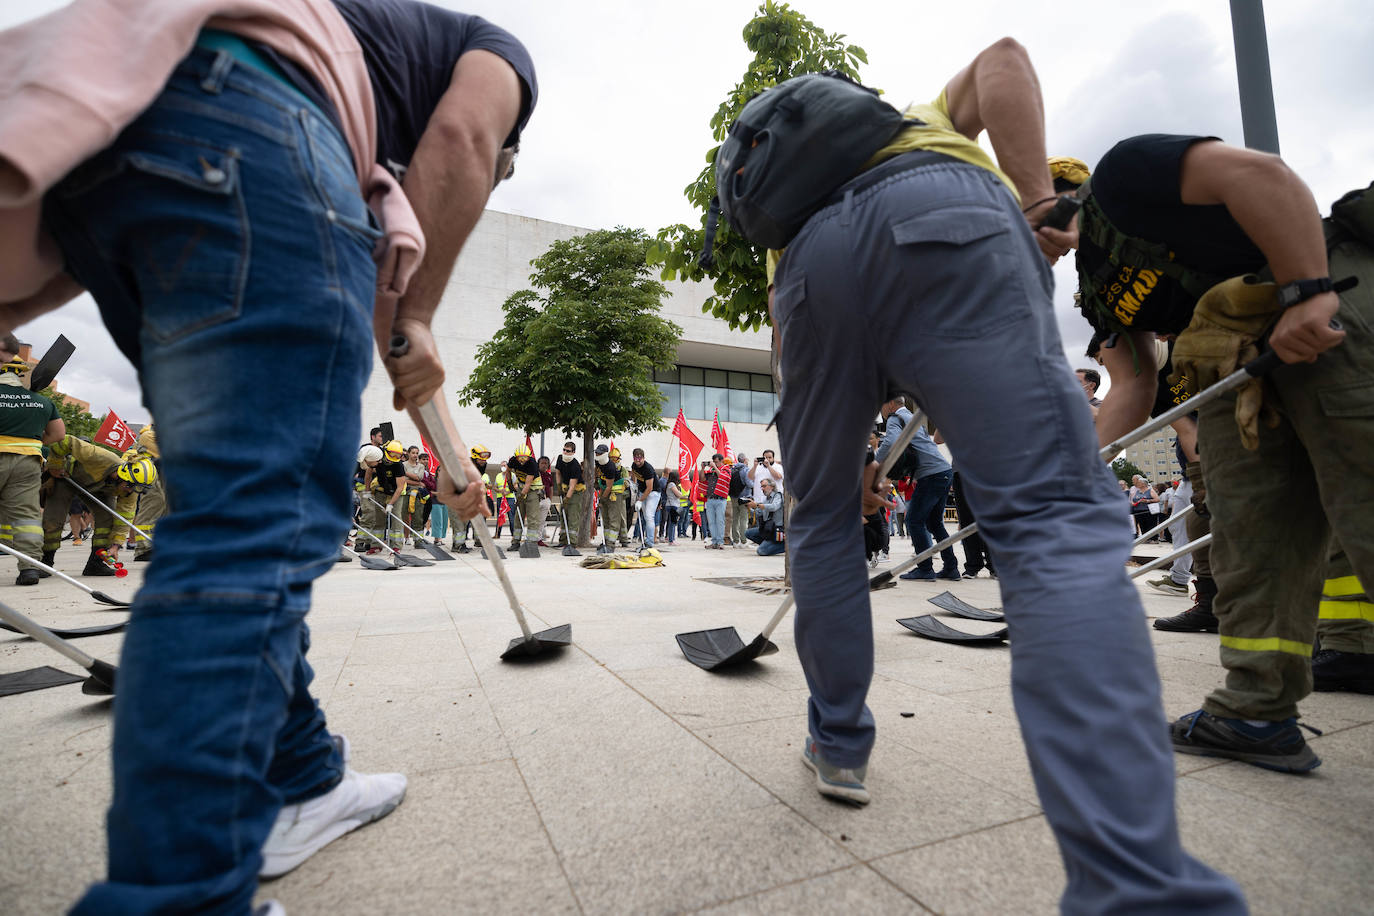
(78, 421)
(577, 352)
(1125, 469)
(785, 44)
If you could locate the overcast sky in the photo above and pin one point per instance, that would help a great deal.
(627, 90)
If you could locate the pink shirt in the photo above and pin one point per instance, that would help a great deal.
(70, 81)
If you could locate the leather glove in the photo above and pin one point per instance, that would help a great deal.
(1224, 334)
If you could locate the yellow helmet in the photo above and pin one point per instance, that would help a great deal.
(522, 450)
(479, 450)
(15, 365)
(141, 472)
(1071, 170)
(394, 450)
(615, 453)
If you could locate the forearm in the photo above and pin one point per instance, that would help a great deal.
(1134, 380)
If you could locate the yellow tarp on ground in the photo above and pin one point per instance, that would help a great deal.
(645, 559)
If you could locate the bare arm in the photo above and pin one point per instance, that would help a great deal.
(1276, 210)
(1132, 394)
(55, 430)
(1000, 93)
(447, 183)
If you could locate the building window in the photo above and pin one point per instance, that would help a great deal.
(741, 397)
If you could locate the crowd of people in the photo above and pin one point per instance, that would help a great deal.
(350, 146)
(722, 503)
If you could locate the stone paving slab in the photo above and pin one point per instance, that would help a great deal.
(615, 777)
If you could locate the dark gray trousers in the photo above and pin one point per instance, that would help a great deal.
(930, 282)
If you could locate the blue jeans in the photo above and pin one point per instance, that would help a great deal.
(768, 548)
(925, 513)
(224, 239)
(648, 516)
(930, 282)
(715, 519)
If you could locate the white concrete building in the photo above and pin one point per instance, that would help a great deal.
(718, 367)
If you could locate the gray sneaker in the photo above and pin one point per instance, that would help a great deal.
(836, 782)
(1169, 587)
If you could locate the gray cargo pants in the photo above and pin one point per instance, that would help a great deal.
(929, 282)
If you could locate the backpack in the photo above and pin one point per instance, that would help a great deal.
(788, 151)
(908, 461)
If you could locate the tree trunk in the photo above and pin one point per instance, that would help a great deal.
(588, 527)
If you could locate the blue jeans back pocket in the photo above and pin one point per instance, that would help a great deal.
(172, 215)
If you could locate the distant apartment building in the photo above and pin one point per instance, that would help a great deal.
(1155, 457)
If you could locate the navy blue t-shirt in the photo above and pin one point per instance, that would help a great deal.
(411, 49)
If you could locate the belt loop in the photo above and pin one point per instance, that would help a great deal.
(847, 207)
(219, 72)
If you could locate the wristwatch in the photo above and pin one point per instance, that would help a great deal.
(1290, 294)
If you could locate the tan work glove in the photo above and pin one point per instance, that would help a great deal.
(1224, 335)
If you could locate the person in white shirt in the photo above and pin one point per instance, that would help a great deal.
(765, 468)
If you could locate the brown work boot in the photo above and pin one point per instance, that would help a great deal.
(1198, 618)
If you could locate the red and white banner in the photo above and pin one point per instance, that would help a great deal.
(719, 441)
(114, 433)
(688, 447)
(431, 454)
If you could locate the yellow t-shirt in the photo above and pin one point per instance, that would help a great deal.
(936, 135)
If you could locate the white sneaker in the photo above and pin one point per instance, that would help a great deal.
(883, 556)
(303, 830)
(269, 908)
(873, 563)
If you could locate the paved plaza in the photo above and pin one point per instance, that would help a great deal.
(617, 778)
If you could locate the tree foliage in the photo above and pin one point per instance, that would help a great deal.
(79, 422)
(577, 352)
(785, 44)
(1125, 469)
(580, 357)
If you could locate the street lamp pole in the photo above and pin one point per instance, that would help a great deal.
(1252, 75)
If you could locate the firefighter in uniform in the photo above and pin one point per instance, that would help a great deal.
(387, 487)
(28, 421)
(479, 454)
(611, 478)
(567, 475)
(365, 515)
(152, 505)
(527, 484)
(110, 479)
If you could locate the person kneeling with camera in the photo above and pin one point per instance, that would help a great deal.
(768, 534)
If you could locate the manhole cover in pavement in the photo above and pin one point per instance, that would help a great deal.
(764, 585)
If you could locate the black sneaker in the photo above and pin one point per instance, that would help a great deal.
(27, 577)
(1333, 670)
(144, 557)
(1274, 745)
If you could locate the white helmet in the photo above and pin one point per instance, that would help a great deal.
(369, 453)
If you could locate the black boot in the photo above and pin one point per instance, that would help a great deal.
(96, 566)
(1333, 670)
(27, 577)
(48, 557)
(144, 557)
(1198, 618)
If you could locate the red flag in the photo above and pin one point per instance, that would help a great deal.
(114, 433)
(688, 447)
(431, 454)
(719, 441)
(502, 513)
